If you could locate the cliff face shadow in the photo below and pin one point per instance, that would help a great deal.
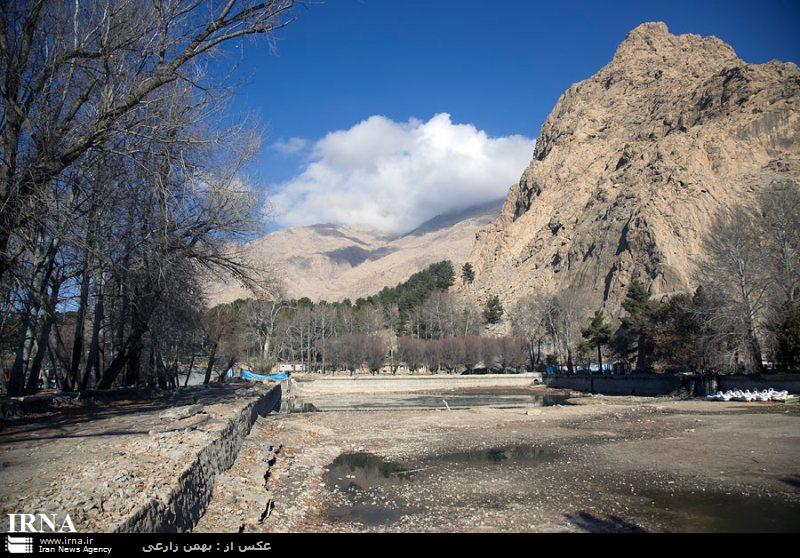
(355, 255)
(611, 524)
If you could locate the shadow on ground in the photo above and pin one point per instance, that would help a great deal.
(611, 524)
(792, 480)
(88, 419)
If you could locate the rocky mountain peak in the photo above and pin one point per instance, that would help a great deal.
(632, 165)
(653, 41)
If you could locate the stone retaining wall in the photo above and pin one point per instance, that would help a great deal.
(182, 507)
(652, 384)
(633, 384)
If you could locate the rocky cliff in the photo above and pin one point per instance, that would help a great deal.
(633, 164)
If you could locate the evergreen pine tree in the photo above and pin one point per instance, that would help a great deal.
(467, 273)
(597, 335)
(493, 311)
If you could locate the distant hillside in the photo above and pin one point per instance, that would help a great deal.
(331, 262)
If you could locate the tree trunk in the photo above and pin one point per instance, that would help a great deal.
(211, 359)
(60, 352)
(600, 358)
(133, 366)
(93, 359)
(130, 352)
(17, 380)
(189, 373)
(160, 368)
(80, 318)
(122, 318)
(61, 379)
(42, 344)
(755, 348)
(532, 355)
(224, 376)
(43, 269)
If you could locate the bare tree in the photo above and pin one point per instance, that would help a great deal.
(779, 219)
(374, 351)
(452, 353)
(261, 319)
(410, 351)
(76, 76)
(473, 352)
(736, 270)
(561, 318)
(104, 136)
(512, 353)
(527, 323)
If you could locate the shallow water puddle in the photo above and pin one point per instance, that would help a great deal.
(297, 406)
(521, 455)
(724, 513)
(374, 491)
(365, 402)
(362, 480)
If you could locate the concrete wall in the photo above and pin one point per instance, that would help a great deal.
(652, 384)
(634, 384)
(321, 385)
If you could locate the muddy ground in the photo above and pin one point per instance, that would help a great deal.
(600, 464)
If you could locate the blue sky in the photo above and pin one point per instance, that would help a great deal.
(498, 66)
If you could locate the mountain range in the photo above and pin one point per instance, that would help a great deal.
(332, 262)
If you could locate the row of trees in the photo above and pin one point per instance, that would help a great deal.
(551, 328)
(456, 354)
(120, 191)
(119, 188)
(324, 335)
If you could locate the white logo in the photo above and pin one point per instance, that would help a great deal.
(19, 545)
(27, 523)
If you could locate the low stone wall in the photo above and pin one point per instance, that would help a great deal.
(182, 507)
(633, 384)
(322, 385)
(789, 382)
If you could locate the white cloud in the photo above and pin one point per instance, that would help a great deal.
(393, 176)
(290, 146)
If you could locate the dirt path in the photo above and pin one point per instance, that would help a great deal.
(604, 464)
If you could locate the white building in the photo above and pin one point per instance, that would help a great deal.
(289, 367)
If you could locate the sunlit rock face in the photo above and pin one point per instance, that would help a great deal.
(633, 164)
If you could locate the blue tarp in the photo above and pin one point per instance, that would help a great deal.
(247, 375)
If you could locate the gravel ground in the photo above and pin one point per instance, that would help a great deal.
(598, 464)
(602, 464)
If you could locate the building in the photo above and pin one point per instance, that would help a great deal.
(289, 367)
